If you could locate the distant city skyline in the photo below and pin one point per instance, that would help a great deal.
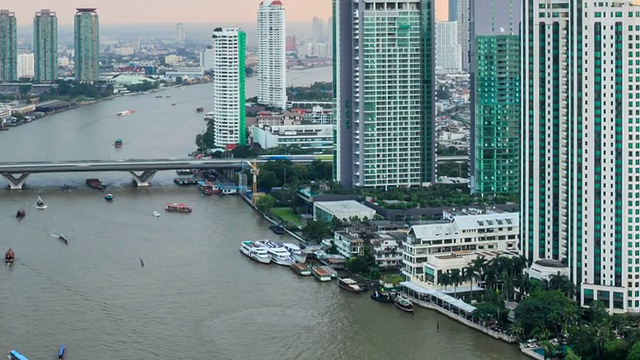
(163, 11)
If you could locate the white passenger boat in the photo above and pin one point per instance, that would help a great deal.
(256, 253)
(279, 254)
(296, 252)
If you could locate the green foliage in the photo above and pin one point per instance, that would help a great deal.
(265, 203)
(634, 353)
(144, 86)
(316, 230)
(546, 310)
(616, 349)
(318, 91)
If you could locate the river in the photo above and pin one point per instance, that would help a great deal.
(196, 297)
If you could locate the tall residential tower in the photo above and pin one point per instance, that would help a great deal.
(463, 19)
(8, 47)
(272, 62)
(494, 53)
(581, 145)
(384, 92)
(448, 51)
(229, 86)
(87, 44)
(45, 45)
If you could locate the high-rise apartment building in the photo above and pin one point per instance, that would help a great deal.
(45, 45)
(463, 20)
(384, 92)
(26, 66)
(8, 46)
(317, 30)
(181, 35)
(229, 86)
(453, 10)
(448, 51)
(494, 54)
(272, 61)
(87, 44)
(581, 139)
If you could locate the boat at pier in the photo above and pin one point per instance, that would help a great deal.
(208, 188)
(301, 268)
(14, 355)
(95, 183)
(350, 285)
(277, 229)
(209, 116)
(321, 273)
(403, 303)
(118, 143)
(177, 207)
(40, 205)
(296, 252)
(382, 296)
(61, 351)
(256, 253)
(126, 112)
(21, 214)
(278, 252)
(9, 256)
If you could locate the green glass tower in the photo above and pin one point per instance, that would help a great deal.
(8, 47)
(87, 45)
(45, 46)
(384, 92)
(495, 96)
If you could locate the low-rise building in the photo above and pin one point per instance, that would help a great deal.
(272, 119)
(462, 236)
(343, 210)
(303, 136)
(348, 243)
(386, 251)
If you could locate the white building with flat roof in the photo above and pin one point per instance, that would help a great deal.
(272, 56)
(432, 249)
(343, 210)
(304, 136)
(448, 51)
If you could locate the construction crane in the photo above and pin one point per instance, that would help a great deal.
(254, 186)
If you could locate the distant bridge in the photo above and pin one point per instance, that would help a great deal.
(142, 171)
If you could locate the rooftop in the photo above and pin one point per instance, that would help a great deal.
(342, 206)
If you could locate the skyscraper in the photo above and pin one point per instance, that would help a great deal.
(26, 66)
(318, 30)
(384, 92)
(272, 62)
(495, 96)
(463, 31)
(180, 33)
(229, 86)
(581, 139)
(45, 45)
(8, 46)
(448, 52)
(453, 10)
(87, 46)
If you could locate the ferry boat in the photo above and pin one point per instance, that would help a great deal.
(321, 273)
(296, 252)
(256, 253)
(9, 256)
(301, 269)
(350, 285)
(208, 116)
(126, 112)
(177, 207)
(403, 303)
(14, 355)
(279, 254)
(208, 188)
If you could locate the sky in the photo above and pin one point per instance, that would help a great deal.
(172, 11)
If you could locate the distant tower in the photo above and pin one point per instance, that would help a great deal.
(45, 45)
(453, 10)
(318, 30)
(463, 31)
(8, 47)
(448, 52)
(272, 64)
(87, 46)
(229, 86)
(180, 33)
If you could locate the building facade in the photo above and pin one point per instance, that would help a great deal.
(317, 30)
(272, 62)
(495, 96)
(181, 35)
(26, 66)
(87, 44)
(453, 10)
(580, 136)
(384, 92)
(448, 51)
(8, 47)
(229, 86)
(318, 137)
(45, 45)
(463, 20)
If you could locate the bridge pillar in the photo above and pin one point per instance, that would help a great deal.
(142, 180)
(15, 183)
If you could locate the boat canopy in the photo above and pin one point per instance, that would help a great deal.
(17, 356)
(118, 140)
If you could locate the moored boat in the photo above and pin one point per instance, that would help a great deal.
(403, 303)
(177, 207)
(9, 256)
(40, 205)
(296, 252)
(277, 229)
(279, 253)
(256, 253)
(321, 273)
(350, 285)
(108, 197)
(61, 351)
(301, 268)
(14, 355)
(20, 214)
(95, 183)
(382, 296)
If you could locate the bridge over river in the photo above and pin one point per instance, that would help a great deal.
(142, 171)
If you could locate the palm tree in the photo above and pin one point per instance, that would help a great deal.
(507, 285)
(523, 283)
(477, 267)
(456, 279)
(444, 279)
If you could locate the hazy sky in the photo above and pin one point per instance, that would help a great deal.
(172, 11)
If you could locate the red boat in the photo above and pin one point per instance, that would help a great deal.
(9, 256)
(177, 207)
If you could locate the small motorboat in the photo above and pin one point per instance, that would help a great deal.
(126, 112)
(14, 355)
(21, 214)
(118, 143)
(403, 303)
(173, 104)
(9, 256)
(141, 263)
(156, 214)
(108, 197)
(200, 109)
(61, 351)
(382, 296)
(63, 239)
(40, 205)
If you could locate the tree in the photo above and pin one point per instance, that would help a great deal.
(265, 203)
(546, 309)
(316, 230)
(634, 353)
(616, 349)
(571, 355)
(268, 180)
